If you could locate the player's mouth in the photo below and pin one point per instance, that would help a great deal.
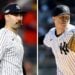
(19, 22)
(64, 22)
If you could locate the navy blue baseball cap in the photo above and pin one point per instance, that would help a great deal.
(60, 9)
(12, 8)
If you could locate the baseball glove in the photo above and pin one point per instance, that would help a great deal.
(71, 43)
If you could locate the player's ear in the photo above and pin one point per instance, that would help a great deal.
(7, 17)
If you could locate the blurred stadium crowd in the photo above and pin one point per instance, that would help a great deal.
(27, 32)
(47, 65)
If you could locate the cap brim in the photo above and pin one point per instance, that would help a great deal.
(15, 13)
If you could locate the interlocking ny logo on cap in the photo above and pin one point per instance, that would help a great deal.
(17, 7)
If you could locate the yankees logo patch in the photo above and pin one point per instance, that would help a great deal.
(63, 48)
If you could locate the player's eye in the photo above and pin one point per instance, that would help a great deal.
(64, 17)
(16, 14)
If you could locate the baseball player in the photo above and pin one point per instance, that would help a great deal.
(11, 49)
(58, 38)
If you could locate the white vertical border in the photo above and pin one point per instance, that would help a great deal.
(37, 38)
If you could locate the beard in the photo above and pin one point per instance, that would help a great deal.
(18, 24)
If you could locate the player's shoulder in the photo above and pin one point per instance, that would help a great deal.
(48, 37)
(51, 31)
(71, 28)
(19, 38)
(3, 37)
(2, 32)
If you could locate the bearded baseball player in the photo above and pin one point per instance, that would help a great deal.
(61, 39)
(11, 49)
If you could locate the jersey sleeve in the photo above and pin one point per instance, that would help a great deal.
(46, 40)
(2, 45)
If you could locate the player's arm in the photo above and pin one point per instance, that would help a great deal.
(46, 40)
(2, 45)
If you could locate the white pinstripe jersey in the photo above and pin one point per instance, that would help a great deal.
(11, 53)
(65, 61)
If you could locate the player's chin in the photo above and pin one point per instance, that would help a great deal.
(17, 26)
(64, 24)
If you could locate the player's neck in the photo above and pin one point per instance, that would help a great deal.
(59, 32)
(11, 29)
